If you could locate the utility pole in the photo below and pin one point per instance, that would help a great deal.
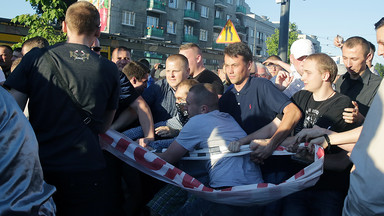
(254, 39)
(284, 29)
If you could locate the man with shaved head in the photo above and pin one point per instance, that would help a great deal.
(67, 120)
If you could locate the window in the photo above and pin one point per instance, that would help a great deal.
(260, 37)
(188, 30)
(238, 3)
(189, 5)
(204, 11)
(128, 18)
(218, 14)
(252, 32)
(228, 16)
(171, 27)
(152, 21)
(203, 35)
(172, 3)
(230, 1)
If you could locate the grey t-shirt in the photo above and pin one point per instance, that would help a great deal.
(219, 129)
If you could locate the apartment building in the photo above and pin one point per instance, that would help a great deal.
(154, 29)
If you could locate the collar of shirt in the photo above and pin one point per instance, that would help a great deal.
(363, 78)
(245, 88)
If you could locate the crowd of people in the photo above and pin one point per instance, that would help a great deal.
(52, 163)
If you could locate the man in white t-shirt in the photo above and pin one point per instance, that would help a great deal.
(207, 128)
(290, 82)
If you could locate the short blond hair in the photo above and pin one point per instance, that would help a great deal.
(191, 46)
(324, 63)
(179, 57)
(82, 17)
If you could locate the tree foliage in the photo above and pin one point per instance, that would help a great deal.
(272, 42)
(46, 23)
(380, 69)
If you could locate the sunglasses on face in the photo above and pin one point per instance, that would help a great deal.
(96, 49)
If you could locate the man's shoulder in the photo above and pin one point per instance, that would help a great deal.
(302, 93)
(261, 84)
(375, 79)
(161, 83)
(158, 85)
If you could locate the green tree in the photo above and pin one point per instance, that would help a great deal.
(46, 22)
(272, 42)
(380, 69)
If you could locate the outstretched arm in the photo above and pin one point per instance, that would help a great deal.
(262, 149)
(146, 120)
(265, 132)
(173, 153)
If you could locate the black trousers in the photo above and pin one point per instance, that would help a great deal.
(85, 193)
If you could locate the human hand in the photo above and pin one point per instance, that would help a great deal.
(307, 134)
(234, 146)
(262, 149)
(165, 131)
(352, 115)
(283, 79)
(338, 41)
(144, 141)
(156, 66)
(271, 61)
(320, 141)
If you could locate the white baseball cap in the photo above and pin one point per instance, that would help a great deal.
(302, 47)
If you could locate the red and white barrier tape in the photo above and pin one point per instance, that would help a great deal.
(245, 195)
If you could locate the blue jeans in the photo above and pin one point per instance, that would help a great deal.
(314, 203)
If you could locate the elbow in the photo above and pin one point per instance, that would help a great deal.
(294, 111)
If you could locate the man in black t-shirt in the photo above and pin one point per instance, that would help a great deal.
(323, 107)
(69, 148)
(196, 66)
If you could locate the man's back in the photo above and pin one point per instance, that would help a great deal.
(219, 129)
(66, 143)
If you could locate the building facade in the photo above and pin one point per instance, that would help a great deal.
(154, 29)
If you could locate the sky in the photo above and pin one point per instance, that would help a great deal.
(327, 18)
(322, 18)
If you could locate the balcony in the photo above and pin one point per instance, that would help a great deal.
(218, 46)
(241, 29)
(153, 55)
(220, 4)
(241, 10)
(190, 39)
(219, 23)
(154, 33)
(156, 6)
(191, 15)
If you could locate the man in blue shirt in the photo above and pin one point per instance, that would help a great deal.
(254, 102)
